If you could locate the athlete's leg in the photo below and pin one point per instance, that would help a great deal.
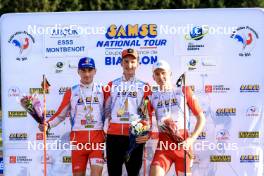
(96, 162)
(182, 163)
(161, 163)
(134, 164)
(156, 170)
(183, 174)
(79, 162)
(96, 170)
(115, 150)
(79, 174)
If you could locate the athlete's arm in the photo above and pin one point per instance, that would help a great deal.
(107, 105)
(62, 111)
(198, 113)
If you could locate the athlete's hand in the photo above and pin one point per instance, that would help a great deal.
(142, 139)
(41, 126)
(188, 143)
(106, 125)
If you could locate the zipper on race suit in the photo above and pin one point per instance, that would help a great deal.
(73, 136)
(89, 137)
(122, 129)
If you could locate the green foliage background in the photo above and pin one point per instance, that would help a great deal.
(83, 5)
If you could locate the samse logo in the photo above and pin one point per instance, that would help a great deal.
(132, 31)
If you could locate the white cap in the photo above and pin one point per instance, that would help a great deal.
(162, 64)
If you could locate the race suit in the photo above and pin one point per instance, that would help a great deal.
(171, 104)
(85, 105)
(121, 103)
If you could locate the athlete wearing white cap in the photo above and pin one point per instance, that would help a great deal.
(168, 102)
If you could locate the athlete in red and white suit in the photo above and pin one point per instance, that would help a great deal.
(123, 97)
(84, 102)
(168, 102)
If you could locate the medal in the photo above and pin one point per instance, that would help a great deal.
(123, 103)
(121, 112)
(89, 118)
(90, 108)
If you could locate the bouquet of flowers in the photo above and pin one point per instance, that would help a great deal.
(139, 127)
(33, 106)
(169, 128)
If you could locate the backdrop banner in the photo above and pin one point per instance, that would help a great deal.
(220, 50)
